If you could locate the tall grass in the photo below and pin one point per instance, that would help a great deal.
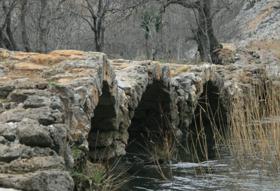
(207, 130)
(254, 130)
(251, 133)
(159, 146)
(101, 177)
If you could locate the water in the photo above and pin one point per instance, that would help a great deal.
(216, 175)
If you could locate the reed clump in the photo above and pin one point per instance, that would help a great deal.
(98, 176)
(254, 127)
(207, 130)
(247, 127)
(160, 148)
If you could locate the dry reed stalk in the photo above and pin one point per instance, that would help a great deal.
(255, 127)
(253, 131)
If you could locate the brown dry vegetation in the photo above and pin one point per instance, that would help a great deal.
(32, 65)
(253, 133)
(255, 127)
(177, 69)
(272, 46)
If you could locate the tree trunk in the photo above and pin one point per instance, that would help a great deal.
(158, 37)
(6, 34)
(147, 49)
(24, 35)
(98, 47)
(206, 39)
(5, 42)
(99, 35)
(99, 27)
(43, 27)
(10, 33)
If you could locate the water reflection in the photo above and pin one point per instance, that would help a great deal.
(217, 175)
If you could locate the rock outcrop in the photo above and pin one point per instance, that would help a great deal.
(61, 108)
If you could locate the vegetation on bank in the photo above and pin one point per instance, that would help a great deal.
(252, 134)
(254, 131)
(92, 176)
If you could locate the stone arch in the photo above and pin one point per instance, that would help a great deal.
(151, 130)
(208, 124)
(104, 125)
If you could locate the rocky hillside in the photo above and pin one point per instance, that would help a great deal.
(253, 35)
(256, 21)
(257, 28)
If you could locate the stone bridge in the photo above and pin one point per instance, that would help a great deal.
(61, 108)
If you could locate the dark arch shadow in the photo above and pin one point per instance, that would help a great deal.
(103, 126)
(208, 126)
(150, 132)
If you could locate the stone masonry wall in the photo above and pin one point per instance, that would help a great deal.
(52, 104)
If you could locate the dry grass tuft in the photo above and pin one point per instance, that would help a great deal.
(177, 69)
(101, 177)
(272, 46)
(255, 127)
(252, 136)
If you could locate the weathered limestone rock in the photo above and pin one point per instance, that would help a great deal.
(8, 189)
(39, 181)
(29, 134)
(5, 90)
(33, 164)
(13, 151)
(68, 105)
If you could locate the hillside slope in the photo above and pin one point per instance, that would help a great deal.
(258, 26)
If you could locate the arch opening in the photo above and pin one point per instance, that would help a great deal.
(150, 132)
(104, 127)
(209, 123)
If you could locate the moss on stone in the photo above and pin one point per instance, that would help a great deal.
(77, 153)
(4, 101)
(52, 84)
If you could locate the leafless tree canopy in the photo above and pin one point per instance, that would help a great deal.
(133, 29)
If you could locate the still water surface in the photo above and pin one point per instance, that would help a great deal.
(215, 175)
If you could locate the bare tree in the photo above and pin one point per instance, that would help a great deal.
(121, 28)
(48, 12)
(96, 12)
(24, 36)
(43, 26)
(204, 33)
(151, 24)
(6, 32)
(95, 17)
